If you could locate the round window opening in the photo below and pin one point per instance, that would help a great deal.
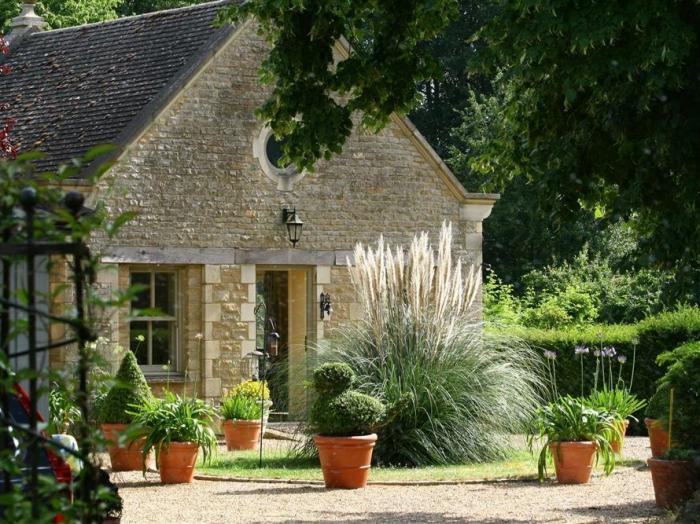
(273, 151)
(268, 150)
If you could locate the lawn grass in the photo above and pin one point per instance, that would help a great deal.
(278, 464)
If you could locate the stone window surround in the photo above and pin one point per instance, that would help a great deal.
(284, 178)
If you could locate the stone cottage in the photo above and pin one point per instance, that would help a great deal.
(214, 207)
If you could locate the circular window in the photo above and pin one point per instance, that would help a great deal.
(268, 150)
(273, 150)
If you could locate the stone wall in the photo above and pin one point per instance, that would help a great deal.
(194, 181)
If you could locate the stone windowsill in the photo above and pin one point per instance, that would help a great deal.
(175, 378)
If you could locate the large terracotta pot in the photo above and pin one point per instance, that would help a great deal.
(176, 462)
(674, 481)
(345, 460)
(658, 437)
(128, 457)
(573, 461)
(617, 445)
(242, 434)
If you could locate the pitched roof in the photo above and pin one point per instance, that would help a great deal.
(72, 89)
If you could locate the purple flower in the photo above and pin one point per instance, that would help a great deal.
(551, 355)
(621, 359)
(581, 350)
(609, 352)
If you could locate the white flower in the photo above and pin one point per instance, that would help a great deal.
(199, 336)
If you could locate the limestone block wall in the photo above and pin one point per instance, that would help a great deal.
(193, 180)
(229, 324)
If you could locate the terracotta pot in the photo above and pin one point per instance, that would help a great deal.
(618, 444)
(128, 457)
(242, 434)
(658, 437)
(674, 481)
(345, 460)
(573, 461)
(177, 461)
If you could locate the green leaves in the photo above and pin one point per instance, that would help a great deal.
(315, 91)
(600, 109)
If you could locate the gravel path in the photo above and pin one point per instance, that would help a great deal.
(626, 496)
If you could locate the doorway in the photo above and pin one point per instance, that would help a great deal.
(286, 295)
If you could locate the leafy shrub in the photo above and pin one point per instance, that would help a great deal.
(683, 378)
(339, 411)
(570, 419)
(452, 393)
(657, 408)
(172, 419)
(251, 389)
(647, 339)
(63, 412)
(333, 379)
(130, 389)
(240, 407)
(499, 304)
(618, 402)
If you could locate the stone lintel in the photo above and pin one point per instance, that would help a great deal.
(169, 255)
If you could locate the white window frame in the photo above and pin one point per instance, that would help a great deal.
(176, 354)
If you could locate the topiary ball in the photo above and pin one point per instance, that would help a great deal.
(349, 414)
(130, 389)
(333, 378)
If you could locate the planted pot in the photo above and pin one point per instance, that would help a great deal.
(573, 461)
(674, 481)
(242, 434)
(345, 461)
(658, 437)
(617, 445)
(176, 462)
(128, 457)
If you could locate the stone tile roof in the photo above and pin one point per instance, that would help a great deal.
(72, 89)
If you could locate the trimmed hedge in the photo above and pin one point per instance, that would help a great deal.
(651, 337)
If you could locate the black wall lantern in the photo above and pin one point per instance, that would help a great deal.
(293, 223)
(325, 305)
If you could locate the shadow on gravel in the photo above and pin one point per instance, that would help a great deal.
(138, 484)
(274, 490)
(395, 517)
(645, 509)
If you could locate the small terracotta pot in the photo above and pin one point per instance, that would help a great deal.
(176, 462)
(345, 460)
(573, 461)
(617, 445)
(242, 434)
(674, 481)
(125, 458)
(658, 437)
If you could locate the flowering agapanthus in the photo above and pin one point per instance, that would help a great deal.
(551, 355)
(581, 350)
(609, 351)
(596, 353)
(621, 359)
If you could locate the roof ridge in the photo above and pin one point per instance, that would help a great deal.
(132, 17)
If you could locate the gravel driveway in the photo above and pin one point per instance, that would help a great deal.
(626, 496)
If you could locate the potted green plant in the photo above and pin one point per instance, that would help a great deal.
(176, 428)
(675, 475)
(345, 421)
(129, 389)
(575, 435)
(256, 390)
(242, 424)
(657, 409)
(619, 403)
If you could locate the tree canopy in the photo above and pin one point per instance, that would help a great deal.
(314, 95)
(600, 108)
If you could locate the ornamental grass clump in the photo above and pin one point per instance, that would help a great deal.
(461, 391)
